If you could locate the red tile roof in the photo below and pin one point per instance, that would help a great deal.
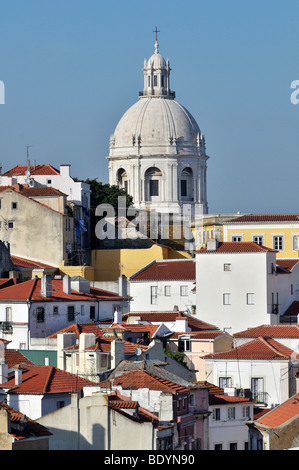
(19, 170)
(78, 328)
(29, 429)
(170, 316)
(27, 263)
(14, 358)
(170, 270)
(217, 396)
(237, 247)
(42, 191)
(281, 414)
(136, 379)
(292, 310)
(287, 264)
(41, 380)
(257, 349)
(31, 290)
(198, 335)
(253, 218)
(6, 282)
(271, 331)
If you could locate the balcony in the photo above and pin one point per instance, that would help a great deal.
(260, 397)
(6, 327)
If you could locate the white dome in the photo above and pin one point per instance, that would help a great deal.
(156, 126)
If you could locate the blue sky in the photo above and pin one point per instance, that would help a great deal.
(71, 68)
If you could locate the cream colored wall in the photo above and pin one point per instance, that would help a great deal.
(39, 232)
(57, 203)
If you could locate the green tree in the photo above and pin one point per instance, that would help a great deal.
(105, 194)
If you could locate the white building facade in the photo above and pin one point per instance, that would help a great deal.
(238, 286)
(157, 151)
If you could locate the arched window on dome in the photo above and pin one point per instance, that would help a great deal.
(122, 179)
(152, 182)
(187, 185)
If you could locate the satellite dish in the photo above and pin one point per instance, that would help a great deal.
(138, 351)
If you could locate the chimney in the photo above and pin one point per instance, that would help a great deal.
(18, 375)
(117, 352)
(212, 244)
(86, 340)
(46, 286)
(181, 324)
(65, 170)
(64, 340)
(66, 284)
(3, 372)
(117, 316)
(122, 286)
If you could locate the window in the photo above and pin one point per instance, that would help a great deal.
(14, 205)
(233, 446)
(257, 389)
(167, 291)
(216, 414)
(154, 187)
(10, 224)
(218, 447)
(82, 311)
(49, 181)
(250, 299)
(55, 310)
(246, 412)
(71, 313)
(231, 412)
(40, 314)
(155, 80)
(92, 312)
(237, 238)
(296, 242)
(183, 291)
(259, 239)
(227, 267)
(184, 344)
(225, 382)
(226, 299)
(278, 242)
(60, 404)
(154, 295)
(183, 188)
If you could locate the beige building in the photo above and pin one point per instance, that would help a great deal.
(36, 223)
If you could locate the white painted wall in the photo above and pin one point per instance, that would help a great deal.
(250, 273)
(141, 296)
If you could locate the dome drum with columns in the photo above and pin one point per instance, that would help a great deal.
(157, 151)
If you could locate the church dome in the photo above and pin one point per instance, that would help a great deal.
(157, 125)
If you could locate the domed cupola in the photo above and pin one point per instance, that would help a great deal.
(157, 76)
(157, 151)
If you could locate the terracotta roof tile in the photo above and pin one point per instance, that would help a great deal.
(264, 218)
(287, 264)
(31, 290)
(29, 429)
(237, 247)
(170, 316)
(272, 331)
(19, 170)
(78, 328)
(281, 414)
(14, 357)
(292, 310)
(170, 270)
(45, 380)
(136, 379)
(257, 349)
(27, 263)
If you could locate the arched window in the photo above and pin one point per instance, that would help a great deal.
(186, 184)
(152, 181)
(122, 179)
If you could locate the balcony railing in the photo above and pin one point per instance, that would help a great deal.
(260, 397)
(6, 327)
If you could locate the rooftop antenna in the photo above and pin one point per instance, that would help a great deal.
(28, 162)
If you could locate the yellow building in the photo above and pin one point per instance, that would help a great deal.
(276, 231)
(109, 264)
(209, 226)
